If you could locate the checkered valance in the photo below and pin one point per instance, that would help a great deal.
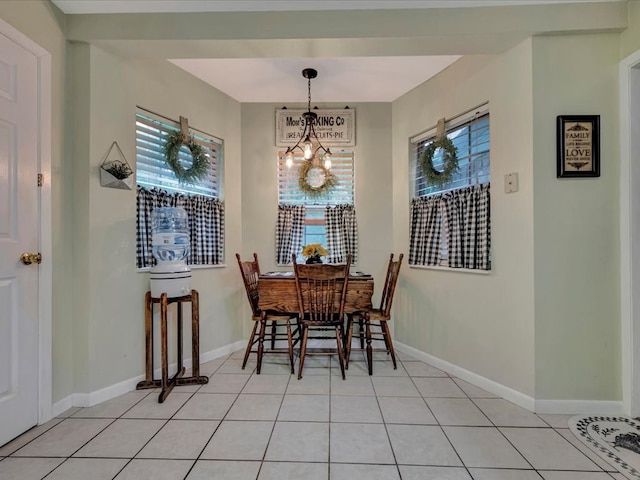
(206, 225)
(289, 232)
(342, 233)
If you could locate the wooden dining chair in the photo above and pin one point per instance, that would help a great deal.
(265, 322)
(378, 318)
(322, 291)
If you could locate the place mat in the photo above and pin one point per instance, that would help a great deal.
(616, 439)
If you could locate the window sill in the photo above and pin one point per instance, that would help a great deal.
(453, 270)
(192, 267)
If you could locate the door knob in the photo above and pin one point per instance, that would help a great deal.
(29, 258)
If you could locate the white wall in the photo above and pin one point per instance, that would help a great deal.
(374, 179)
(577, 225)
(482, 323)
(109, 292)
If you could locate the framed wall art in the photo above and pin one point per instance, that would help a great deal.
(578, 139)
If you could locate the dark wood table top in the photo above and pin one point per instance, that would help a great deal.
(277, 291)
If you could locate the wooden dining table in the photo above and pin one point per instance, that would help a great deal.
(277, 292)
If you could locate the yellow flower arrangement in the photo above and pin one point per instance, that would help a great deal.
(314, 250)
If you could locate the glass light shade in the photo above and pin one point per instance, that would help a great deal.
(327, 161)
(308, 148)
(289, 158)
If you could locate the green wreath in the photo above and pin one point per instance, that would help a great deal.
(199, 162)
(330, 180)
(449, 160)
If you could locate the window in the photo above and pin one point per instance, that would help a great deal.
(451, 222)
(158, 186)
(151, 170)
(289, 193)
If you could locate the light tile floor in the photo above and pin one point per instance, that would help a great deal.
(413, 423)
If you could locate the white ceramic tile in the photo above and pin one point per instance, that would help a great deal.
(277, 365)
(310, 385)
(206, 406)
(8, 448)
(69, 412)
(406, 410)
(484, 447)
(304, 408)
(503, 474)
(299, 441)
(183, 439)
(504, 413)
(383, 367)
(85, 468)
(414, 472)
(559, 475)
(438, 387)
(350, 471)
(234, 365)
(556, 421)
(405, 357)
(394, 387)
(224, 470)
(123, 438)
(249, 406)
(472, 391)
(571, 438)
(298, 470)
(143, 469)
(422, 445)
(150, 408)
(545, 448)
(239, 441)
(360, 443)
(65, 438)
(457, 411)
(354, 409)
(27, 468)
(352, 386)
(225, 383)
(210, 367)
(113, 408)
(419, 369)
(266, 384)
(357, 367)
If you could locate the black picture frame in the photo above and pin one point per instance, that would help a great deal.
(578, 146)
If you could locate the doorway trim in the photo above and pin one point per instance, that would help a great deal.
(629, 74)
(45, 334)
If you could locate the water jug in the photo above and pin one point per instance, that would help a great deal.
(170, 247)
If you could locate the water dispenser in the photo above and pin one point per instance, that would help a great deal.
(170, 246)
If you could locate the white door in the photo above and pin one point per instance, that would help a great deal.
(19, 225)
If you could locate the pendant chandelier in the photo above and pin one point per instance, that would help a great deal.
(309, 144)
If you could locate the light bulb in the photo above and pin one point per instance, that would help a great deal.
(308, 148)
(289, 158)
(327, 162)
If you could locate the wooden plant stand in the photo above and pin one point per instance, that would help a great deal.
(165, 383)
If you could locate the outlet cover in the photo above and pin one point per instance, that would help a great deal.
(511, 183)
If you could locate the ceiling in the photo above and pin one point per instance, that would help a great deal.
(280, 80)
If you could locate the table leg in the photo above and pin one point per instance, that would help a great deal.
(164, 354)
(179, 337)
(367, 324)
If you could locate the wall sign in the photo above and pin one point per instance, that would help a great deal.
(578, 139)
(334, 127)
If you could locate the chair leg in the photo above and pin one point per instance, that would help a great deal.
(273, 335)
(303, 351)
(348, 342)
(263, 327)
(290, 341)
(250, 344)
(340, 341)
(367, 324)
(361, 332)
(389, 342)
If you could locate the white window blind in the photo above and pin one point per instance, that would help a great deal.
(470, 135)
(343, 193)
(151, 169)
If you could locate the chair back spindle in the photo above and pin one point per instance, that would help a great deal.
(250, 272)
(391, 279)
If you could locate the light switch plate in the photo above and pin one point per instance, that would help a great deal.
(511, 183)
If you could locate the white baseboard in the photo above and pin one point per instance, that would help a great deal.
(112, 391)
(565, 407)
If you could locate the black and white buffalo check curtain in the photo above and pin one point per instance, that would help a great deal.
(289, 232)
(466, 214)
(206, 225)
(342, 233)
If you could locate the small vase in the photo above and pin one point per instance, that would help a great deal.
(314, 259)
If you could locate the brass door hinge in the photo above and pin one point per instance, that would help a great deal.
(40, 179)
